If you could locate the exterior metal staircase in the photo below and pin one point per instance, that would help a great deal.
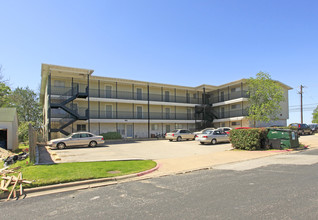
(73, 115)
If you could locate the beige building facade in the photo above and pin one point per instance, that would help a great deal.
(9, 129)
(76, 100)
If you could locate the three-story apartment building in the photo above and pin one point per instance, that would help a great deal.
(75, 100)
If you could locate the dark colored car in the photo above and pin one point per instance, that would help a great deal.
(314, 127)
(302, 129)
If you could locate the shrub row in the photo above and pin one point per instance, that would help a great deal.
(249, 139)
(111, 135)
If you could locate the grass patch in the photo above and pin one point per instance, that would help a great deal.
(22, 147)
(69, 172)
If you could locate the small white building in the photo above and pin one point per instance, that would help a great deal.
(9, 129)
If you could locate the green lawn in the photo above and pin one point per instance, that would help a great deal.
(68, 172)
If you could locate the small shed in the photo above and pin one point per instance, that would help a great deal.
(9, 129)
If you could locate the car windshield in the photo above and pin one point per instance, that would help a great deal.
(207, 132)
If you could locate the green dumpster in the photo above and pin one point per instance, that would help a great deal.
(282, 138)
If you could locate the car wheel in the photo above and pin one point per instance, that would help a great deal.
(213, 141)
(302, 133)
(60, 146)
(202, 143)
(170, 140)
(92, 144)
(179, 138)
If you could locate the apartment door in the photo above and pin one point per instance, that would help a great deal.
(168, 128)
(222, 97)
(108, 90)
(167, 96)
(189, 114)
(130, 131)
(188, 97)
(139, 94)
(167, 113)
(222, 112)
(139, 112)
(3, 138)
(75, 88)
(109, 111)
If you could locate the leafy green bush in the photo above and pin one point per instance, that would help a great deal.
(249, 139)
(111, 135)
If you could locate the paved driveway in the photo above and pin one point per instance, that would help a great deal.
(155, 149)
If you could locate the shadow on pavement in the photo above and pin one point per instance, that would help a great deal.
(44, 156)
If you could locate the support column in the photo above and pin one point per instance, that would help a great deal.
(98, 110)
(133, 91)
(99, 88)
(99, 127)
(162, 94)
(49, 107)
(242, 89)
(88, 115)
(228, 92)
(148, 112)
(116, 91)
(175, 95)
(116, 110)
(175, 112)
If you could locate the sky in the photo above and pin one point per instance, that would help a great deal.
(177, 42)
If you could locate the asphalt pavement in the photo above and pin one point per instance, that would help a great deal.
(267, 190)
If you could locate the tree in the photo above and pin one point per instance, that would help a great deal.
(265, 98)
(4, 91)
(27, 104)
(28, 108)
(315, 116)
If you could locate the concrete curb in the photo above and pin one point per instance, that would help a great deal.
(72, 186)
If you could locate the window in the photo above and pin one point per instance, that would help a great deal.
(236, 123)
(178, 126)
(194, 95)
(81, 127)
(121, 129)
(85, 135)
(58, 83)
(237, 106)
(76, 135)
(154, 127)
(217, 133)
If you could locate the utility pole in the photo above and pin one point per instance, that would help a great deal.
(301, 103)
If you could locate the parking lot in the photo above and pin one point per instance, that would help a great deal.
(148, 149)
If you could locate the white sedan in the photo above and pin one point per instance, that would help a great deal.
(77, 139)
(212, 137)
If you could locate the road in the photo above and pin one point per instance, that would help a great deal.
(265, 188)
